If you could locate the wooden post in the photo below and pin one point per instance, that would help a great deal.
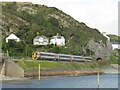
(39, 72)
(98, 80)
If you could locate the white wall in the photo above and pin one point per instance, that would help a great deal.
(60, 42)
(116, 46)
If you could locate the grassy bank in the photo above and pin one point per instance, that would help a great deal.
(54, 68)
(28, 64)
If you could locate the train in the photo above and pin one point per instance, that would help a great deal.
(59, 57)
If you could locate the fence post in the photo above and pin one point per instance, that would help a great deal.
(98, 80)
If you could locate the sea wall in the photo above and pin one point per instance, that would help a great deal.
(12, 69)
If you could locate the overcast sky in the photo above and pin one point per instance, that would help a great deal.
(100, 14)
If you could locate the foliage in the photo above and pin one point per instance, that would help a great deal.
(54, 22)
(114, 59)
(89, 52)
(17, 49)
(114, 38)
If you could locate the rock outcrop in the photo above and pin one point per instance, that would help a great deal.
(101, 50)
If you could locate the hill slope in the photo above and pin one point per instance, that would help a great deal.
(114, 38)
(28, 20)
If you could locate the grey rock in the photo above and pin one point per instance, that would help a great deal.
(100, 49)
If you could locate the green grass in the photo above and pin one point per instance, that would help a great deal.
(27, 64)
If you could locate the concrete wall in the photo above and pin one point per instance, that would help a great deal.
(11, 69)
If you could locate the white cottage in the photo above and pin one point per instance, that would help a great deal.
(12, 37)
(41, 40)
(58, 40)
(115, 46)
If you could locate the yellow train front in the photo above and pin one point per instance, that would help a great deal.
(35, 55)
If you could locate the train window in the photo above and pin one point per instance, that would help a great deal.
(66, 56)
(89, 58)
(35, 54)
(79, 57)
(47, 55)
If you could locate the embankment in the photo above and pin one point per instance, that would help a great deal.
(53, 68)
(43, 73)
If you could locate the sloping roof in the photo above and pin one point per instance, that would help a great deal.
(57, 36)
(37, 37)
(12, 36)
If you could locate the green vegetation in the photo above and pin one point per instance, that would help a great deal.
(114, 38)
(17, 49)
(28, 20)
(115, 58)
(27, 64)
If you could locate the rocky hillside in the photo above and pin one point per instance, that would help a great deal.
(28, 20)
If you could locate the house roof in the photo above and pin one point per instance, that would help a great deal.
(37, 37)
(12, 36)
(58, 37)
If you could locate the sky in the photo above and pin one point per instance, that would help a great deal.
(99, 14)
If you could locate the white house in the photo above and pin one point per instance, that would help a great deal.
(58, 40)
(12, 37)
(115, 46)
(41, 40)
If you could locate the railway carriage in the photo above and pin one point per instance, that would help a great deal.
(59, 57)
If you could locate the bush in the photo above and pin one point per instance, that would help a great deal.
(114, 59)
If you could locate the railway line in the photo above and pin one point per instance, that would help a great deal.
(60, 57)
(47, 56)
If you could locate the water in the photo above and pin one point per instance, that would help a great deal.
(106, 81)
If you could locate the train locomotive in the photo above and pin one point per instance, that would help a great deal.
(59, 57)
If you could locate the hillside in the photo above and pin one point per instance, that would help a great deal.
(114, 38)
(28, 20)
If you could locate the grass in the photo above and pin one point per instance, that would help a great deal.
(28, 64)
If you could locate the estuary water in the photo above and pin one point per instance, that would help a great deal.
(90, 81)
